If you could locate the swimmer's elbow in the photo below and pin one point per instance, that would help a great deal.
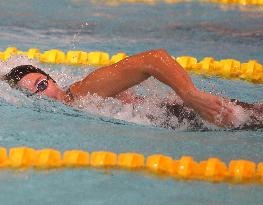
(158, 53)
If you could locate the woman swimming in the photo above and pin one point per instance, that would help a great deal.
(114, 80)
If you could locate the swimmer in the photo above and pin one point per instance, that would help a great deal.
(114, 80)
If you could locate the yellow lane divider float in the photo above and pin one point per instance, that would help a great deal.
(243, 2)
(152, 2)
(226, 68)
(118, 2)
(213, 169)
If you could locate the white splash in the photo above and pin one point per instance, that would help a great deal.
(240, 116)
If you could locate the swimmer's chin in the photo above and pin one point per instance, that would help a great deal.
(61, 97)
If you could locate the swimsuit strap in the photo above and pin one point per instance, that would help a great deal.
(69, 96)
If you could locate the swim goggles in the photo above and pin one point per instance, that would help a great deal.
(42, 85)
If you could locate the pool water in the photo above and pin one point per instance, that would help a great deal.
(191, 28)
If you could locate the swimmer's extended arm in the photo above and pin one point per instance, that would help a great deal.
(111, 80)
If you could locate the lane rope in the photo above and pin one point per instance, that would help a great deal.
(212, 169)
(152, 2)
(251, 71)
(242, 2)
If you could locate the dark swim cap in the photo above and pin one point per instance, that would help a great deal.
(17, 73)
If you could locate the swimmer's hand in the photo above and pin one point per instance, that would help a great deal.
(216, 110)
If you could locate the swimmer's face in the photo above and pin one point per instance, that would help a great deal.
(41, 84)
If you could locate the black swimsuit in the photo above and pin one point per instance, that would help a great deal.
(194, 121)
(184, 115)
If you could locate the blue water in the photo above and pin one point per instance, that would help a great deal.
(183, 29)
